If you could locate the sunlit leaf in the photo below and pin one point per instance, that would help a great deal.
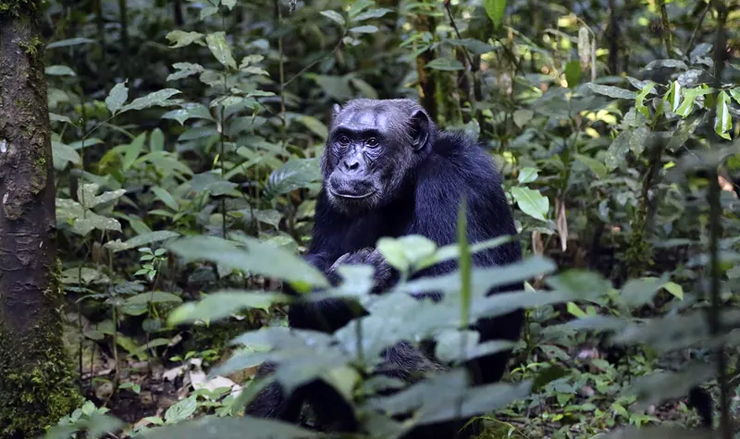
(259, 258)
(612, 92)
(495, 10)
(572, 73)
(445, 64)
(222, 304)
(156, 99)
(117, 97)
(182, 38)
(221, 49)
(531, 202)
(334, 16)
(60, 71)
(69, 42)
(367, 29)
(723, 119)
(153, 297)
(140, 240)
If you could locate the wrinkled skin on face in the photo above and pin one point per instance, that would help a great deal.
(369, 149)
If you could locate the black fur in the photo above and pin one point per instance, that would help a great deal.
(418, 174)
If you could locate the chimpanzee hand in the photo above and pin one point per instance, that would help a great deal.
(369, 256)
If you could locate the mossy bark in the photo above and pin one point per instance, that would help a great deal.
(36, 384)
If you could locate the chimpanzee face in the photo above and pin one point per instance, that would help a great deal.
(372, 146)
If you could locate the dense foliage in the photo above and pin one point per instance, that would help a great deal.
(186, 137)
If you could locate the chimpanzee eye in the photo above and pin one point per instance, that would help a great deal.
(343, 140)
(372, 142)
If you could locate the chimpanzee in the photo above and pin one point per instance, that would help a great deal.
(389, 171)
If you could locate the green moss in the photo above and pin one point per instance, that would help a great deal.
(38, 387)
(17, 7)
(32, 48)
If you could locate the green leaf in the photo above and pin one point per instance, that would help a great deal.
(156, 140)
(53, 117)
(573, 73)
(62, 154)
(358, 6)
(476, 47)
(184, 69)
(522, 117)
(229, 3)
(316, 126)
(612, 92)
(92, 221)
(527, 175)
(259, 258)
(531, 202)
(617, 152)
(153, 297)
(69, 42)
(242, 427)
(117, 97)
(638, 292)
(182, 410)
(132, 151)
(445, 64)
(640, 99)
(594, 165)
(60, 71)
(495, 10)
(735, 93)
(182, 38)
(675, 289)
(666, 63)
(367, 29)
(167, 198)
(221, 49)
(294, 174)
(334, 16)
(189, 111)
(143, 239)
(723, 119)
(222, 304)
(575, 310)
(372, 13)
(157, 99)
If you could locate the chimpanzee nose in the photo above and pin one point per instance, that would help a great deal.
(351, 164)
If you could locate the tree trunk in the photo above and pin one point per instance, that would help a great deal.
(36, 385)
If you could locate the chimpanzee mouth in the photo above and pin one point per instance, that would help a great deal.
(351, 196)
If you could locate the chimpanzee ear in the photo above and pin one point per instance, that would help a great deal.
(420, 129)
(335, 111)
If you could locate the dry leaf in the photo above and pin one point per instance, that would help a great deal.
(561, 223)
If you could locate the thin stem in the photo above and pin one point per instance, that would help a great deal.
(222, 148)
(715, 231)
(665, 27)
(692, 40)
(282, 66)
(305, 69)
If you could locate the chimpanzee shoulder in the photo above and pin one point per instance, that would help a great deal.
(457, 167)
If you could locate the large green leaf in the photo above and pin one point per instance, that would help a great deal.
(722, 118)
(531, 202)
(294, 174)
(156, 99)
(222, 304)
(495, 10)
(220, 49)
(246, 427)
(117, 97)
(258, 258)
